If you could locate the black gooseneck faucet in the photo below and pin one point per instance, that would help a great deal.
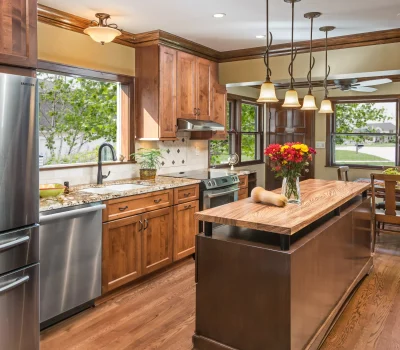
(100, 175)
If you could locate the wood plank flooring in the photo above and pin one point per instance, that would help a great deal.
(159, 313)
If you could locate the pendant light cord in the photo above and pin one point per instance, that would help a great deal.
(269, 43)
(326, 65)
(293, 52)
(312, 58)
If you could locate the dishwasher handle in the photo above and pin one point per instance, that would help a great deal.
(70, 213)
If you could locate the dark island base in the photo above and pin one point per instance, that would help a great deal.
(251, 295)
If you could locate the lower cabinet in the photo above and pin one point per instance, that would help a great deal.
(186, 227)
(122, 243)
(157, 239)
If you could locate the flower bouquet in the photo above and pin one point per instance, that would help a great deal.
(288, 161)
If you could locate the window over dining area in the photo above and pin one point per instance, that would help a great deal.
(244, 134)
(364, 133)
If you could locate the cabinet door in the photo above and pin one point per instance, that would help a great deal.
(18, 34)
(186, 227)
(121, 252)
(157, 239)
(167, 117)
(186, 86)
(218, 115)
(205, 70)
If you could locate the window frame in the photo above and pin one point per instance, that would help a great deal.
(331, 128)
(235, 131)
(127, 91)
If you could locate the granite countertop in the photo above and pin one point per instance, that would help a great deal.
(77, 197)
(228, 171)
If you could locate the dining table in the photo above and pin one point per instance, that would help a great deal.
(379, 187)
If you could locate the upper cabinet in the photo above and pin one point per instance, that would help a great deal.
(218, 114)
(18, 33)
(171, 84)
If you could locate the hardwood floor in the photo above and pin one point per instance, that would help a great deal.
(159, 313)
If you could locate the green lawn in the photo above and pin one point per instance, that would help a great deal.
(360, 158)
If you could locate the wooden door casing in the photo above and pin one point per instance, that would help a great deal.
(157, 240)
(121, 260)
(167, 112)
(204, 85)
(288, 125)
(218, 115)
(186, 86)
(186, 227)
(18, 34)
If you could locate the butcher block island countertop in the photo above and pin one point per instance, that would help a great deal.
(277, 278)
(319, 197)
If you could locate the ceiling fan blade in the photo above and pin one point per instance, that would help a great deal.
(374, 82)
(363, 89)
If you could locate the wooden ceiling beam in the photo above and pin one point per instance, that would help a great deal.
(77, 24)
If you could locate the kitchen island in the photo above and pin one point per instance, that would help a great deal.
(276, 278)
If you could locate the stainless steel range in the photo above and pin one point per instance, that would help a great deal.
(217, 187)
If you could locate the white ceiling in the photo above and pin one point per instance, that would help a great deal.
(193, 19)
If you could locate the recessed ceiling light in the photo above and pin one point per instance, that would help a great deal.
(260, 36)
(219, 15)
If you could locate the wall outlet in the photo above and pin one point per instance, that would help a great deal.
(320, 144)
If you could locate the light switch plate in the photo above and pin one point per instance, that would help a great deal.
(320, 144)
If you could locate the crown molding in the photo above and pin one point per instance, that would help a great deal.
(77, 24)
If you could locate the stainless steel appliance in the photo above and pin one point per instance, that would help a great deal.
(19, 214)
(217, 187)
(70, 261)
(198, 125)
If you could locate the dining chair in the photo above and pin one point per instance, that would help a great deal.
(343, 173)
(390, 214)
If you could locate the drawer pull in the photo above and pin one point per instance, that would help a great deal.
(186, 195)
(157, 200)
(188, 206)
(123, 209)
(140, 225)
(15, 242)
(146, 224)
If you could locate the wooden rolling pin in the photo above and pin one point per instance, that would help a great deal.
(258, 194)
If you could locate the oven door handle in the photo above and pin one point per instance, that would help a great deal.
(221, 194)
(14, 284)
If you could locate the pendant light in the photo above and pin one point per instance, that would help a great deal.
(102, 32)
(309, 100)
(267, 93)
(291, 97)
(326, 105)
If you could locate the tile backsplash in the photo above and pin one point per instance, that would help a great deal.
(180, 155)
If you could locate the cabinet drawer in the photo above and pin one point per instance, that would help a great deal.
(128, 206)
(243, 193)
(186, 194)
(243, 181)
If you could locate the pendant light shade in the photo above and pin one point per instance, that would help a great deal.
(326, 107)
(102, 32)
(267, 94)
(309, 103)
(291, 99)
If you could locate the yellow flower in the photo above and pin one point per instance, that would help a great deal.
(284, 162)
(284, 147)
(301, 153)
(304, 148)
(297, 146)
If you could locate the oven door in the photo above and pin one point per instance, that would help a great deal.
(215, 198)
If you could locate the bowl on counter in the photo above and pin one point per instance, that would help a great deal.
(50, 190)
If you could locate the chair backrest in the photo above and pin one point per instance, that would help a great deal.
(390, 192)
(343, 173)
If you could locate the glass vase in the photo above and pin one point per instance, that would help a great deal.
(291, 189)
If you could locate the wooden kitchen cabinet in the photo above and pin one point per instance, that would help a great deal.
(18, 33)
(186, 227)
(243, 187)
(218, 115)
(157, 247)
(121, 260)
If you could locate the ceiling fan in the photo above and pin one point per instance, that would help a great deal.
(360, 86)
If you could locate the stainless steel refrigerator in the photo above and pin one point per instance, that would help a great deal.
(19, 214)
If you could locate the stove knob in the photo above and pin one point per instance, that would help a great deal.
(209, 183)
(214, 183)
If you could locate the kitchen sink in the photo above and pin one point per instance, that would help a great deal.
(125, 187)
(99, 190)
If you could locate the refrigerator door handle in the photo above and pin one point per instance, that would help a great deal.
(70, 213)
(15, 242)
(14, 284)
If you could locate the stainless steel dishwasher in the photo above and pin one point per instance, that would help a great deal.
(70, 242)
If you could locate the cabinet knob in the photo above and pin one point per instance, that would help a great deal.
(157, 200)
(123, 208)
(186, 195)
(188, 206)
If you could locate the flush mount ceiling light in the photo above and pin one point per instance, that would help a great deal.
(326, 105)
(219, 15)
(309, 100)
(101, 31)
(291, 97)
(267, 93)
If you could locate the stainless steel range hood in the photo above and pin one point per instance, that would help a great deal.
(198, 125)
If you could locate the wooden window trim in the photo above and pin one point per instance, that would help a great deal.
(330, 128)
(127, 106)
(235, 119)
